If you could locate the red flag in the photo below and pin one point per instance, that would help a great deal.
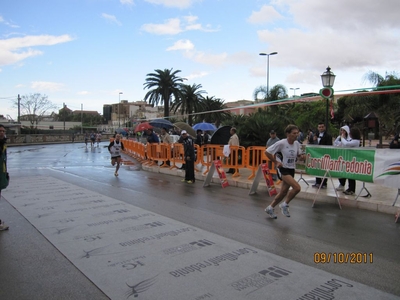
(332, 112)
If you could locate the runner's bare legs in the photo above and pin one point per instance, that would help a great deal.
(288, 181)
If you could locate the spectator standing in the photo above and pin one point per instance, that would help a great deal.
(322, 138)
(189, 156)
(233, 141)
(310, 137)
(199, 137)
(291, 151)
(151, 136)
(272, 140)
(206, 138)
(344, 134)
(166, 139)
(300, 137)
(348, 139)
(395, 143)
(4, 178)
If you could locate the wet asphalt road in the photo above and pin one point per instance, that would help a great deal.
(229, 212)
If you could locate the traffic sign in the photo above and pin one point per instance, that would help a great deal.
(326, 92)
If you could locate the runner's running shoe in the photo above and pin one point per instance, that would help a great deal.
(3, 226)
(284, 209)
(270, 210)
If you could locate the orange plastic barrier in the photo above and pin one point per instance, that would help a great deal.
(236, 159)
(153, 153)
(128, 147)
(199, 156)
(176, 155)
(256, 156)
(211, 153)
(239, 157)
(139, 151)
(165, 154)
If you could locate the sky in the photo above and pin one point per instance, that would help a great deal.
(85, 52)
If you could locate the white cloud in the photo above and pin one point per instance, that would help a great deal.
(8, 23)
(267, 14)
(182, 45)
(13, 50)
(47, 86)
(345, 15)
(210, 59)
(171, 27)
(126, 2)
(175, 26)
(196, 75)
(83, 93)
(173, 3)
(111, 19)
(349, 36)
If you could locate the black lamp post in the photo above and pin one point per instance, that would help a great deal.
(328, 79)
(267, 55)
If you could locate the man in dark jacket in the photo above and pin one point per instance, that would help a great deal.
(395, 143)
(4, 179)
(322, 138)
(189, 156)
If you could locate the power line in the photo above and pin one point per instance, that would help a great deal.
(9, 98)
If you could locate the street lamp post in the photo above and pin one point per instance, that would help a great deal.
(82, 118)
(267, 55)
(294, 91)
(119, 105)
(328, 79)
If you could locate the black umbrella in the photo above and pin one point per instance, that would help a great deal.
(160, 123)
(221, 136)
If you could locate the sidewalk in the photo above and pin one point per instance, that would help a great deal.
(381, 199)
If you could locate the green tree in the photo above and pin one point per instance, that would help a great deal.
(277, 92)
(162, 86)
(386, 104)
(189, 101)
(307, 115)
(213, 106)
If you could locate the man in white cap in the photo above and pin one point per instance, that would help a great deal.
(189, 156)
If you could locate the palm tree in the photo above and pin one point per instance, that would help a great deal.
(213, 107)
(162, 85)
(260, 94)
(277, 92)
(386, 105)
(189, 100)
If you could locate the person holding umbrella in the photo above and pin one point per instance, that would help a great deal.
(151, 136)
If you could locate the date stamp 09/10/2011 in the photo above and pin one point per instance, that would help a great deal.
(343, 258)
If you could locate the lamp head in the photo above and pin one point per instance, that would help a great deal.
(328, 78)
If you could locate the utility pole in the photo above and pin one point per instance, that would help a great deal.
(19, 108)
(64, 114)
(19, 114)
(82, 118)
